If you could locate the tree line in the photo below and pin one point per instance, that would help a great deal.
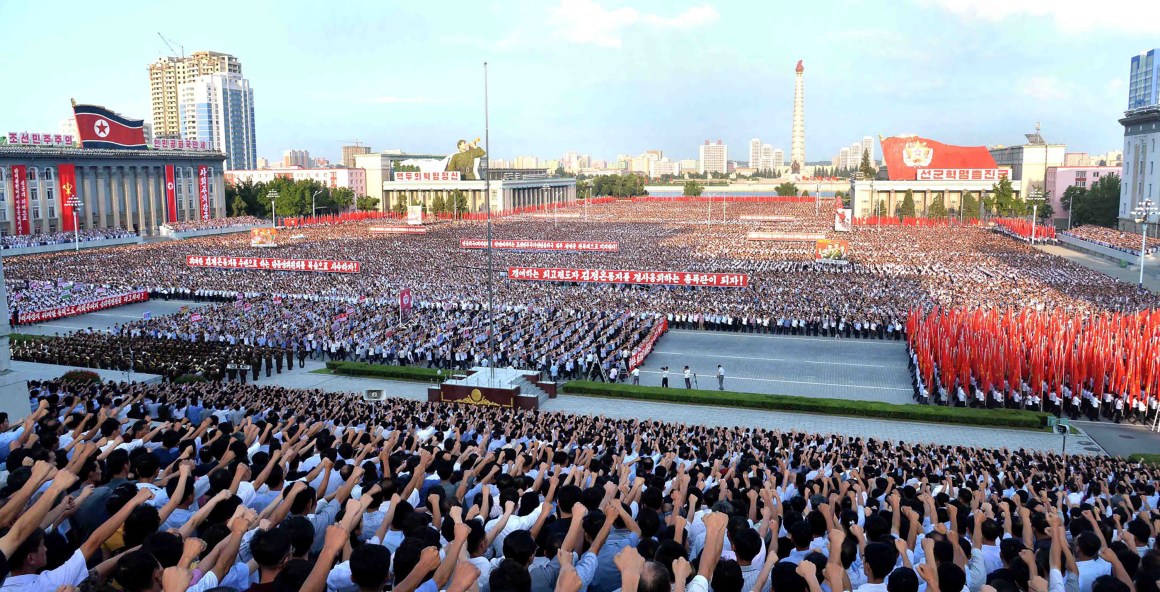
(294, 198)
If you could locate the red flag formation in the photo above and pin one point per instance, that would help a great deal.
(1114, 352)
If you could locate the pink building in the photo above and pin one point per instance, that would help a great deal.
(1059, 178)
(353, 179)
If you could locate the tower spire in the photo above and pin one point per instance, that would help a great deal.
(797, 155)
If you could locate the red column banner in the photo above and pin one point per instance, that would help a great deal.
(20, 223)
(170, 194)
(67, 177)
(203, 190)
(405, 302)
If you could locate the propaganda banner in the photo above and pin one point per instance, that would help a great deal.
(763, 218)
(203, 190)
(170, 193)
(629, 277)
(405, 302)
(843, 219)
(642, 351)
(415, 215)
(540, 245)
(397, 229)
(60, 312)
(787, 237)
(20, 223)
(263, 237)
(267, 264)
(66, 175)
(832, 251)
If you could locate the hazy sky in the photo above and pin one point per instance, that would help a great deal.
(603, 76)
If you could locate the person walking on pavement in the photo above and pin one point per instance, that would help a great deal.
(720, 378)
(665, 377)
(688, 378)
(636, 376)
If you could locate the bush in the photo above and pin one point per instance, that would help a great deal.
(1010, 418)
(382, 371)
(1146, 458)
(81, 377)
(188, 379)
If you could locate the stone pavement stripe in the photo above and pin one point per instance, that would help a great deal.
(780, 360)
(843, 384)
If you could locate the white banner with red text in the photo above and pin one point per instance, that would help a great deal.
(540, 245)
(268, 264)
(398, 229)
(61, 312)
(787, 237)
(764, 218)
(627, 276)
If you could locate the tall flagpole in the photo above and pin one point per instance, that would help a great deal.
(490, 271)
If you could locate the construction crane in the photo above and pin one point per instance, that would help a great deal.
(169, 43)
(357, 143)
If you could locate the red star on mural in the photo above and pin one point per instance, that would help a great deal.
(101, 127)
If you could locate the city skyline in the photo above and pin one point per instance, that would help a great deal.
(997, 70)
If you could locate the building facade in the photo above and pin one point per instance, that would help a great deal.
(1029, 164)
(755, 153)
(166, 76)
(506, 194)
(296, 158)
(1144, 80)
(1060, 178)
(1140, 179)
(115, 188)
(349, 152)
(219, 108)
(353, 179)
(714, 158)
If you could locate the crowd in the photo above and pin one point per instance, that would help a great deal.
(25, 296)
(1111, 238)
(204, 487)
(58, 238)
(212, 223)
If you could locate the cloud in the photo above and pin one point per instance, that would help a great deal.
(586, 22)
(1122, 16)
(1044, 88)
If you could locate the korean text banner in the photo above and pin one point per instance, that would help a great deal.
(540, 245)
(268, 264)
(627, 277)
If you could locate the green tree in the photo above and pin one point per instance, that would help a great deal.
(970, 206)
(1099, 204)
(1045, 211)
(238, 207)
(438, 204)
(400, 204)
(693, 188)
(342, 197)
(366, 204)
(867, 171)
(250, 193)
(881, 208)
(907, 209)
(459, 203)
(560, 172)
(938, 208)
(1006, 204)
(786, 188)
(1073, 194)
(406, 168)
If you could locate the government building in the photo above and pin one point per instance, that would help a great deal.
(114, 188)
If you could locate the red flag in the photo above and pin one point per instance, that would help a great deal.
(170, 193)
(99, 127)
(20, 199)
(405, 302)
(67, 178)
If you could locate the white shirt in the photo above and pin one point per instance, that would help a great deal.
(72, 573)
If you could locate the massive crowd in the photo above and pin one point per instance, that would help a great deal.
(201, 487)
(26, 296)
(214, 223)
(1112, 238)
(58, 238)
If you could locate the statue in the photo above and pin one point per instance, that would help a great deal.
(464, 160)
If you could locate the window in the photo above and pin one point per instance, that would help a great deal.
(35, 210)
(31, 173)
(48, 171)
(51, 211)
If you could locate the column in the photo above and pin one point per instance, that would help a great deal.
(153, 177)
(116, 197)
(45, 200)
(102, 179)
(219, 181)
(127, 179)
(6, 179)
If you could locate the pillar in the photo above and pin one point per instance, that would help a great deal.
(153, 181)
(116, 194)
(141, 185)
(103, 196)
(219, 182)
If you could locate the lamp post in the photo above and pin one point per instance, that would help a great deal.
(1142, 211)
(1035, 197)
(314, 208)
(273, 216)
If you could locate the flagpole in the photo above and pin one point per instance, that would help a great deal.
(490, 270)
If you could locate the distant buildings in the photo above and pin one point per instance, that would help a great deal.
(166, 76)
(351, 178)
(348, 153)
(298, 158)
(1059, 178)
(219, 108)
(1144, 80)
(714, 158)
(850, 157)
(1029, 163)
(764, 157)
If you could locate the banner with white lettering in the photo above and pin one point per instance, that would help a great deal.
(642, 351)
(203, 190)
(19, 176)
(268, 264)
(61, 312)
(628, 277)
(540, 245)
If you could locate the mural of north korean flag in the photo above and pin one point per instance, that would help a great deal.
(100, 128)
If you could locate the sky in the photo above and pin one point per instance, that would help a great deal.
(603, 77)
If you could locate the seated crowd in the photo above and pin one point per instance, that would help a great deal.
(1112, 238)
(202, 487)
(212, 223)
(58, 238)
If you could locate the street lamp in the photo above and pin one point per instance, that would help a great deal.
(314, 208)
(874, 206)
(1142, 211)
(273, 216)
(1035, 197)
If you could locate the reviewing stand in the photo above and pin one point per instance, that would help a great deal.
(511, 389)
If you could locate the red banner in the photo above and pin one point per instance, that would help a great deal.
(203, 190)
(625, 276)
(788, 237)
(263, 263)
(645, 347)
(906, 155)
(66, 175)
(60, 312)
(540, 245)
(20, 199)
(170, 193)
(832, 251)
(398, 229)
(405, 302)
(195, 317)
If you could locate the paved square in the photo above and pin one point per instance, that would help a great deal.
(860, 369)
